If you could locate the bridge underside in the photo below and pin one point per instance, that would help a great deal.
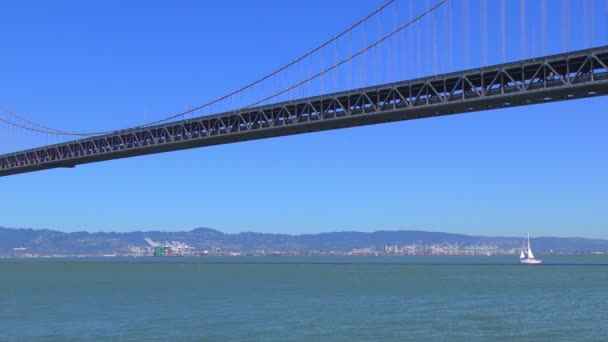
(561, 77)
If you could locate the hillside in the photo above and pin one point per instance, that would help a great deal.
(51, 242)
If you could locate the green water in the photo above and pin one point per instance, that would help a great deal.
(305, 298)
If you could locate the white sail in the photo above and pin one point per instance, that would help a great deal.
(523, 254)
(530, 255)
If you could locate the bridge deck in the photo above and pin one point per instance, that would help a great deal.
(560, 77)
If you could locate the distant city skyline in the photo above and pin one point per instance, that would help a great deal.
(210, 242)
(538, 168)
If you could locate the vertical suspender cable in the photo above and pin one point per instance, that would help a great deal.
(565, 25)
(335, 85)
(543, 27)
(522, 28)
(404, 47)
(299, 91)
(377, 53)
(533, 41)
(428, 46)
(418, 48)
(322, 79)
(503, 30)
(435, 38)
(585, 25)
(484, 32)
(444, 24)
(351, 64)
(606, 19)
(450, 37)
(286, 74)
(310, 76)
(411, 48)
(465, 33)
(397, 48)
(363, 59)
(591, 22)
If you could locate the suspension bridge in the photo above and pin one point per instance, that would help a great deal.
(299, 101)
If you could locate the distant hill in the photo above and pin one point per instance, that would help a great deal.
(50, 242)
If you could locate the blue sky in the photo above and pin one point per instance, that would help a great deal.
(102, 65)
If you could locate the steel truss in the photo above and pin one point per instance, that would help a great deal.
(560, 77)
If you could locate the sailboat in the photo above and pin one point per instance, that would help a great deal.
(526, 256)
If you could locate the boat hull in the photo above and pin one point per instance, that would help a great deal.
(530, 261)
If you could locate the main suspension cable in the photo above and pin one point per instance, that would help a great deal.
(50, 130)
(351, 57)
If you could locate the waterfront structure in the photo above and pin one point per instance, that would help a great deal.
(173, 248)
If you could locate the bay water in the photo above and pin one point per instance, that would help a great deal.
(332, 298)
